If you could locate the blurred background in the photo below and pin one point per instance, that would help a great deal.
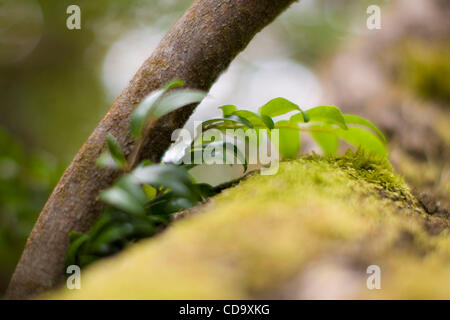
(56, 84)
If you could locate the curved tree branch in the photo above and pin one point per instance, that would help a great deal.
(197, 49)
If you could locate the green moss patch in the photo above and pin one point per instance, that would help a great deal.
(252, 240)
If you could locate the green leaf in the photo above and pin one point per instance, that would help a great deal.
(361, 138)
(329, 114)
(278, 107)
(123, 200)
(228, 149)
(230, 120)
(173, 177)
(299, 117)
(113, 157)
(115, 150)
(174, 100)
(160, 103)
(268, 121)
(110, 234)
(252, 117)
(206, 190)
(101, 223)
(289, 144)
(241, 120)
(132, 186)
(105, 160)
(140, 114)
(353, 119)
(150, 191)
(174, 83)
(328, 142)
(76, 241)
(228, 109)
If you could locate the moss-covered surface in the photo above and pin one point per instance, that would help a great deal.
(260, 239)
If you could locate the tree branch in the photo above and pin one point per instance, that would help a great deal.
(197, 49)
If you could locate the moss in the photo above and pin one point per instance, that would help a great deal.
(252, 240)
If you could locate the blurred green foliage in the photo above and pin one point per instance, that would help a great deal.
(53, 96)
(25, 183)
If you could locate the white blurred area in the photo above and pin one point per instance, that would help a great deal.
(125, 56)
(263, 71)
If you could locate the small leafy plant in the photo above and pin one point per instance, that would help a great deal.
(147, 196)
(326, 125)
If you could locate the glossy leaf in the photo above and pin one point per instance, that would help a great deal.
(115, 150)
(174, 83)
(141, 113)
(161, 102)
(353, 119)
(113, 157)
(361, 138)
(77, 240)
(329, 114)
(254, 118)
(173, 177)
(149, 191)
(268, 121)
(174, 100)
(278, 107)
(299, 117)
(122, 199)
(289, 143)
(128, 183)
(112, 233)
(105, 160)
(328, 142)
(235, 121)
(228, 109)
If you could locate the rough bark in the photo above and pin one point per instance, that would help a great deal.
(197, 49)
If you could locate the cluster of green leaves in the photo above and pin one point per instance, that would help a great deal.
(326, 125)
(140, 204)
(145, 199)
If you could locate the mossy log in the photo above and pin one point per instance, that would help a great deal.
(310, 231)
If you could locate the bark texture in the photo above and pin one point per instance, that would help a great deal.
(197, 49)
